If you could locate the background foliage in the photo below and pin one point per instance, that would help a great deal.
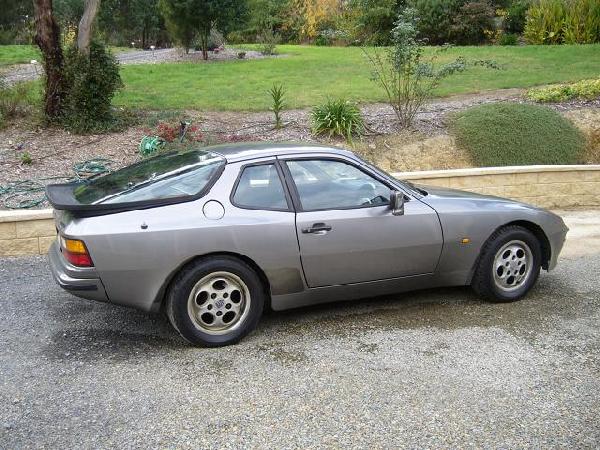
(321, 22)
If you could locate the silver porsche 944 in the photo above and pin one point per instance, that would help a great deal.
(216, 235)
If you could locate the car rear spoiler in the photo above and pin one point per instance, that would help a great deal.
(62, 197)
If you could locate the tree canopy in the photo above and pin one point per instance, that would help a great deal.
(193, 19)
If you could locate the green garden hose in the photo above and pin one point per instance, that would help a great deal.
(29, 193)
(151, 145)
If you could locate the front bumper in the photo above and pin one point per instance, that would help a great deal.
(81, 282)
(557, 240)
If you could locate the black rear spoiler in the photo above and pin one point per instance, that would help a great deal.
(62, 197)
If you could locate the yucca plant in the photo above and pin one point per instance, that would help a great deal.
(337, 117)
(277, 92)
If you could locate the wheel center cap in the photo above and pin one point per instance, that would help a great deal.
(219, 303)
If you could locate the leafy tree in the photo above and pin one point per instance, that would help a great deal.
(68, 12)
(374, 20)
(14, 21)
(189, 19)
(435, 18)
(307, 17)
(263, 14)
(471, 22)
(126, 21)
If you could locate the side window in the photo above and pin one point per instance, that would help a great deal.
(328, 184)
(260, 187)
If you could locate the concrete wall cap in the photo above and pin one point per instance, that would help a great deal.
(475, 171)
(21, 215)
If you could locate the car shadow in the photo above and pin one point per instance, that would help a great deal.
(97, 331)
(93, 331)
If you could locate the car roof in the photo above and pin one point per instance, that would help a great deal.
(255, 150)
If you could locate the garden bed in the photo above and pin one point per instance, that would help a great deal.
(54, 152)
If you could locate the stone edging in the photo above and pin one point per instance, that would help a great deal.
(32, 232)
(545, 186)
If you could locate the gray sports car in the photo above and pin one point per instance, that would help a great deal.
(214, 236)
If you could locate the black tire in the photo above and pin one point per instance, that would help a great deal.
(483, 282)
(181, 288)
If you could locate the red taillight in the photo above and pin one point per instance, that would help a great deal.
(78, 260)
(76, 252)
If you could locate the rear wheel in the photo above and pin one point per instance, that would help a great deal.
(509, 265)
(215, 301)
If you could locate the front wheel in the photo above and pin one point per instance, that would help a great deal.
(509, 265)
(215, 302)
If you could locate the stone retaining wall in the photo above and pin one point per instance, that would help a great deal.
(545, 186)
(26, 232)
(32, 232)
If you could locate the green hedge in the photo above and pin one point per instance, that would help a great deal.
(507, 134)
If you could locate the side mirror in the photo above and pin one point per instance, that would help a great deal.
(397, 203)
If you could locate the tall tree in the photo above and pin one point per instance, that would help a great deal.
(14, 21)
(187, 19)
(374, 20)
(84, 32)
(126, 21)
(310, 15)
(47, 37)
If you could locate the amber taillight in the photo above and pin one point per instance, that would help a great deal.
(75, 252)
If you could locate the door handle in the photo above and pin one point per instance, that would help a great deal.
(316, 228)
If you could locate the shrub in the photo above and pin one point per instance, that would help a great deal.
(15, 100)
(407, 76)
(471, 22)
(505, 134)
(268, 41)
(215, 40)
(585, 89)
(508, 39)
(516, 15)
(557, 22)
(90, 82)
(337, 118)
(435, 19)
(26, 159)
(582, 22)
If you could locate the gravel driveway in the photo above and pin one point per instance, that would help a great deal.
(428, 369)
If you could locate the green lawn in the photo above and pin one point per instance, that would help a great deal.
(310, 74)
(17, 54)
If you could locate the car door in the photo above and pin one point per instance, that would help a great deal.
(346, 231)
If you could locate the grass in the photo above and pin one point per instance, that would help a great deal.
(512, 134)
(18, 54)
(312, 74)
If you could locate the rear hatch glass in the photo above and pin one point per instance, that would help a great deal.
(164, 179)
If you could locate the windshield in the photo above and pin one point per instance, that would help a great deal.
(407, 184)
(166, 176)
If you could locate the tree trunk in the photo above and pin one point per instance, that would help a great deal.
(84, 32)
(204, 43)
(47, 38)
